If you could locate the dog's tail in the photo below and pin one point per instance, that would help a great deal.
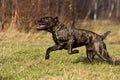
(105, 34)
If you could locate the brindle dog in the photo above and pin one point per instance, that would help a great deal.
(69, 38)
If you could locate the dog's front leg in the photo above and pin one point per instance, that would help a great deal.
(70, 47)
(50, 49)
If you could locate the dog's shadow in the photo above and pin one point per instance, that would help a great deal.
(80, 59)
(97, 60)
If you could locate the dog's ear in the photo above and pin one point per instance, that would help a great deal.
(56, 19)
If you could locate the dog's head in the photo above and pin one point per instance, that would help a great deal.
(46, 23)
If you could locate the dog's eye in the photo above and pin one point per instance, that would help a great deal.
(46, 20)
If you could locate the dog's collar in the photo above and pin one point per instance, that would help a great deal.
(59, 26)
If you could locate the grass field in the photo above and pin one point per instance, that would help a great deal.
(22, 58)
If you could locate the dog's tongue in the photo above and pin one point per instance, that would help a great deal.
(40, 25)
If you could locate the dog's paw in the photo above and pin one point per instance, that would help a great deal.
(75, 51)
(114, 61)
(47, 57)
(93, 62)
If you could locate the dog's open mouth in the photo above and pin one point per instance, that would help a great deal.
(41, 26)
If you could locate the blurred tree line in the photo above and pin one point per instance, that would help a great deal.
(21, 14)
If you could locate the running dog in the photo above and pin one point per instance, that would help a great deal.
(68, 38)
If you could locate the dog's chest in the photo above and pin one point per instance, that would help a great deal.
(62, 36)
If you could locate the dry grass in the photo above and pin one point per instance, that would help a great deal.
(22, 58)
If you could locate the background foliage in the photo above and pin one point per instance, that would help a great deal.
(21, 14)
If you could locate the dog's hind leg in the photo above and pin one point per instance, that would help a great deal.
(101, 51)
(90, 56)
(97, 48)
(106, 55)
(110, 59)
(90, 53)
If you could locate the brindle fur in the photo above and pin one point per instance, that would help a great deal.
(69, 38)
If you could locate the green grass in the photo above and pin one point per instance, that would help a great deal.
(22, 58)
